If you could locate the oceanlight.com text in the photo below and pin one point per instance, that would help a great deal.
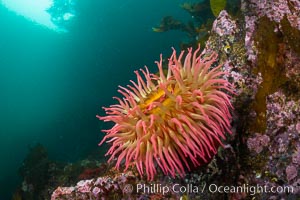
(211, 188)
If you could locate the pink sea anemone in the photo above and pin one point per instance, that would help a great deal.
(172, 120)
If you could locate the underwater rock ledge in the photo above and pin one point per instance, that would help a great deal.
(260, 51)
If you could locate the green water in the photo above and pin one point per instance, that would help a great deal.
(53, 84)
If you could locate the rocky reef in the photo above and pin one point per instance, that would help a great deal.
(259, 48)
(202, 15)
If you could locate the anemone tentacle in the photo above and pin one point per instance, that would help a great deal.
(167, 120)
